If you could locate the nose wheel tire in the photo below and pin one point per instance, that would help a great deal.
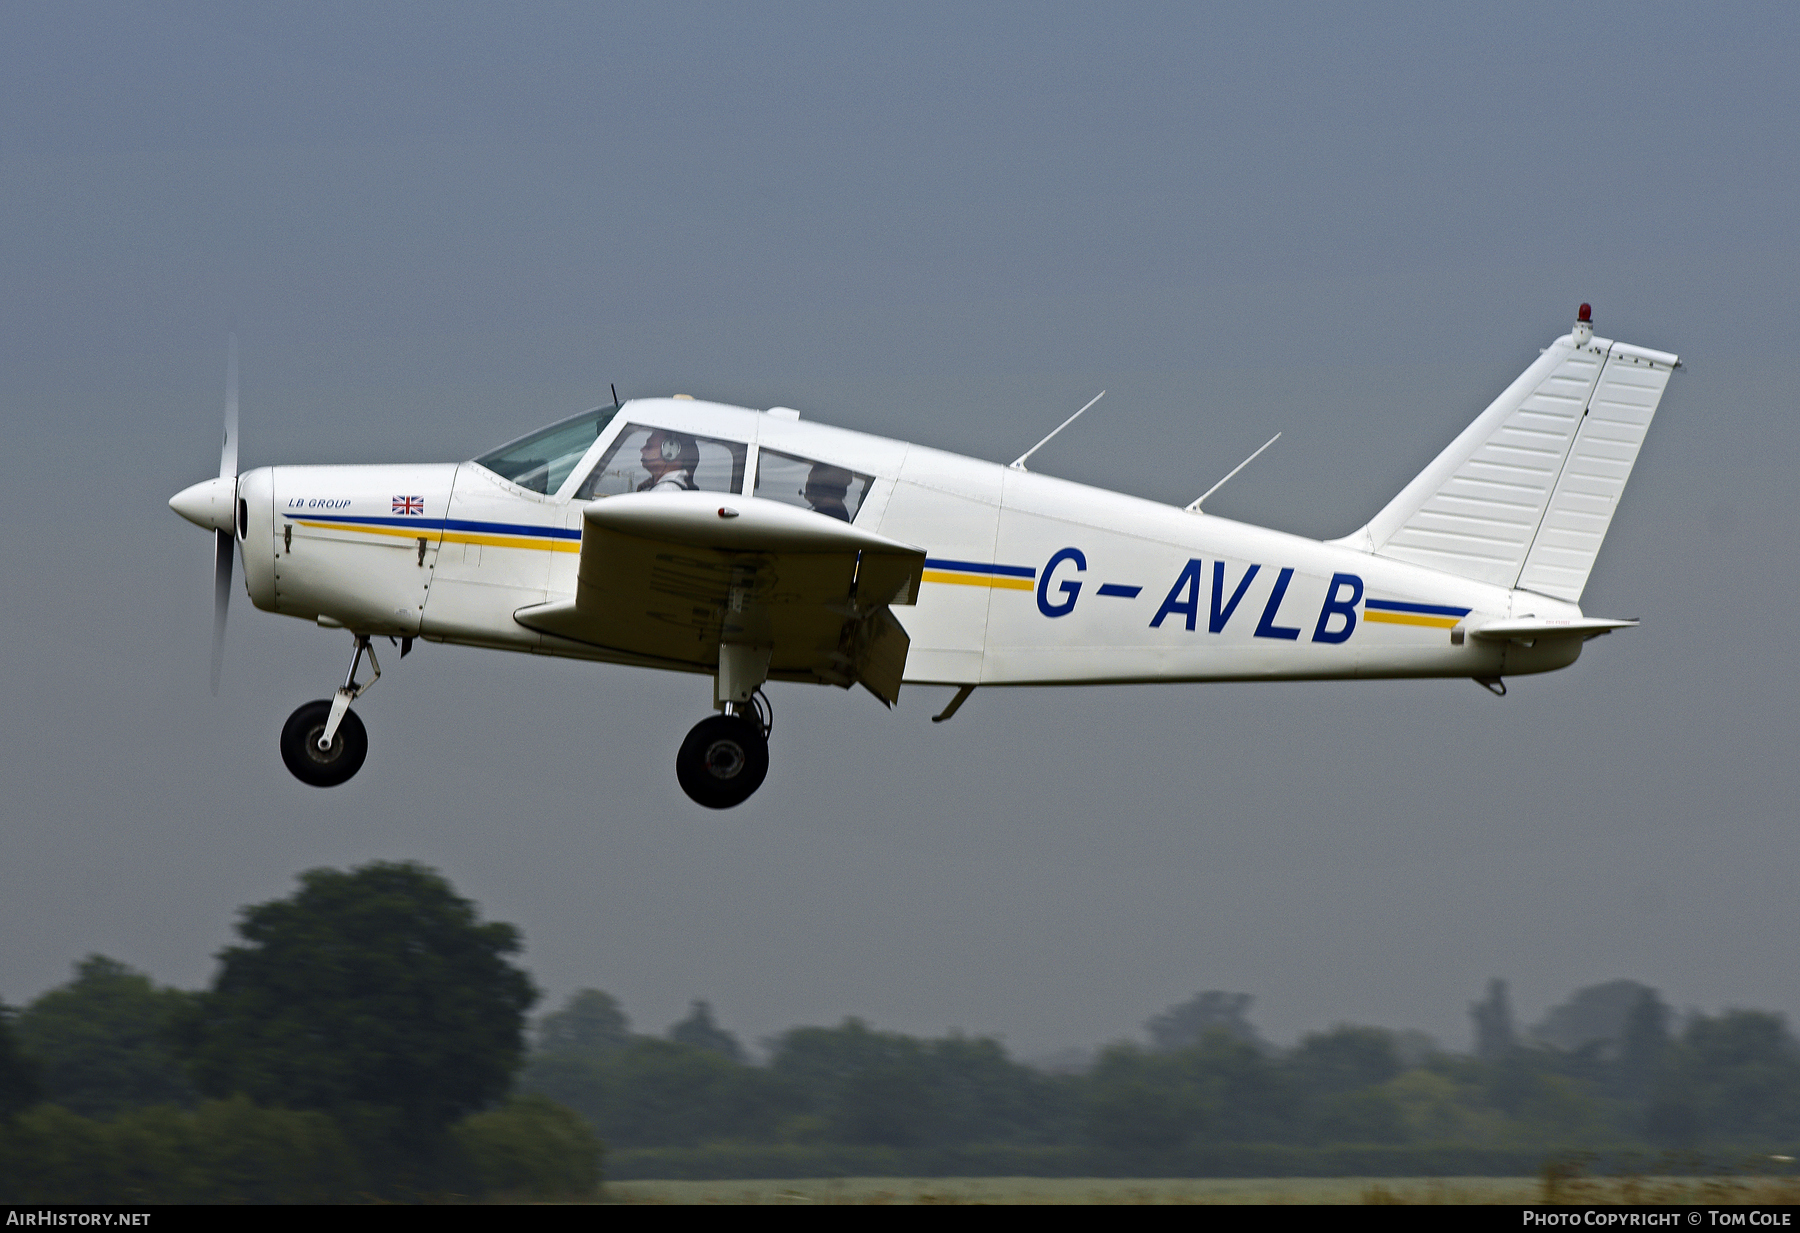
(723, 760)
(323, 768)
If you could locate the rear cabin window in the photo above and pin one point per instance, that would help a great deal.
(543, 460)
(647, 459)
(809, 484)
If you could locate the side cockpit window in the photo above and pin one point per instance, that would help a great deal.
(543, 460)
(646, 459)
(818, 486)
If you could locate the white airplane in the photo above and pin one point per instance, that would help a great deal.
(753, 546)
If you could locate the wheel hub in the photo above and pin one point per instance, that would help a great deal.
(724, 759)
(320, 752)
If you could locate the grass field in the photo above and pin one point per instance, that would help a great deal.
(1332, 1190)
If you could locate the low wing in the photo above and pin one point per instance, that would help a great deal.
(671, 576)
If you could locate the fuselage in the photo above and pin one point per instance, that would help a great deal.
(1029, 579)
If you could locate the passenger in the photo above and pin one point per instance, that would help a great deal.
(825, 489)
(671, 459)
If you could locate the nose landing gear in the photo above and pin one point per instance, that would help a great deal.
(324, 743)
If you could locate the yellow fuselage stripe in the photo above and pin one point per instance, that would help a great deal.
(979, 580)
(511, 541)
(454, 537)
(1409, 618)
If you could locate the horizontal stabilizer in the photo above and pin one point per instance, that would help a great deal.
(1524, 496)
(1537, 629)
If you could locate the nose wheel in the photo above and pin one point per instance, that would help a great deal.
(330, 764)
(723, 761)
(324, 743)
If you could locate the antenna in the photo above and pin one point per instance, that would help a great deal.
(1195, 507)
(1018, 464)
(615, 392)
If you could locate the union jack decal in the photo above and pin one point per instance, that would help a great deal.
(409, 505)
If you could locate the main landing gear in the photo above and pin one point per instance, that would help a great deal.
(324, 743)
(726, 757)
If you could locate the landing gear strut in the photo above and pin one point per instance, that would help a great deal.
(324, 743)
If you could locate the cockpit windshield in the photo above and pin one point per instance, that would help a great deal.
(543, 460)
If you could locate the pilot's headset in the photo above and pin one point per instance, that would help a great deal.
(676, 448)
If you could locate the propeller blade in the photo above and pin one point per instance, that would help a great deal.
(222, 550)
(221, 600)
(228, 453)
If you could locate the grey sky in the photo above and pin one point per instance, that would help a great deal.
(435, 227)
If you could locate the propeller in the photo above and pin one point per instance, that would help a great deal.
(222, 551)
(213, 504)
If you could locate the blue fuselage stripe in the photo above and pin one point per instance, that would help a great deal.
(442, 524)
(1394, 605)
(973, 567)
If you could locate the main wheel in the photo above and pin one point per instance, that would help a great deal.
(323, 768)
(722, 761)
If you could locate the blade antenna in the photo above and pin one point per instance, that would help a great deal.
(1018, 464)
(1195, 507)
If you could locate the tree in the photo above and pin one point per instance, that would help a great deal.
(1643, 1046)
(986, 1097)
(590, 1026)
(20, 1082)
(1180, 1027)
(532, 1148)
(103, 1041)
(1742, 1072)
(1222, 1090)
(1345, 1059)
(375, 994)
(668, 1093)
(1136, 1101)
(699, 1030)
(1494, 1037)
(871, 1087)
(1597, 1013)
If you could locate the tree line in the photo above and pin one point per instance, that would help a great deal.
(1204, 1078)
(368, 1037)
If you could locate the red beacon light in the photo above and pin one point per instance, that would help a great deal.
(1584, 326)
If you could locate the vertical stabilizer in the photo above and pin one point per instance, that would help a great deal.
(1524, 495)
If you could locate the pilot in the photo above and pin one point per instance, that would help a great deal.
(825, 489)
(671, 459)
